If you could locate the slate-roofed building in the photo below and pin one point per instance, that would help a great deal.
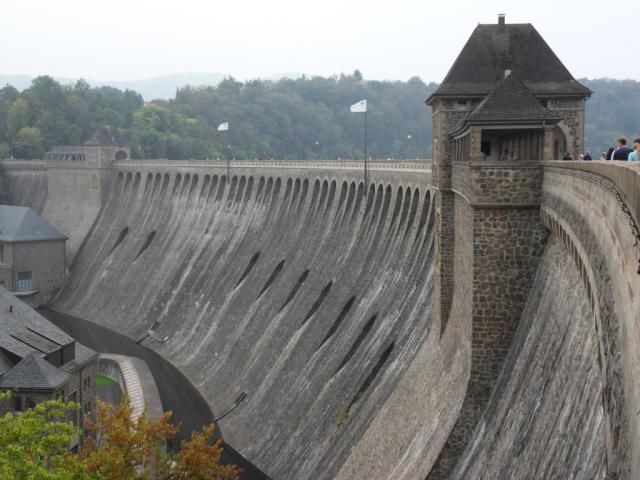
(39, 362)
(491, 51)
(32, 255)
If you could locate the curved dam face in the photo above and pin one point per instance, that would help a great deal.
(546, 418)
(28, 184)
(300, 290)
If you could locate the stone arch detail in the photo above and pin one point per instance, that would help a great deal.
(567, 138)
(121, 155)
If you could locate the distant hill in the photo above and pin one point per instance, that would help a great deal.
(162, 87)
(19, 81)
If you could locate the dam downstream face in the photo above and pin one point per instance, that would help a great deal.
(303, 292)
(546, 418)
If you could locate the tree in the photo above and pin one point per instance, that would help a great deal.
(33, 443)
(28, 143)
(123, 449)
(8, 95)
(4, 186)
(17, 117)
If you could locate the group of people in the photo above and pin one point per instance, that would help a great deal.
(623, 152)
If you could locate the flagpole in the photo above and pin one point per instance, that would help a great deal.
(228, 156)
(222, 128)
(365, 152)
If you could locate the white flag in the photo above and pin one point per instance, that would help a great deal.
(223, 127)
(359, 107)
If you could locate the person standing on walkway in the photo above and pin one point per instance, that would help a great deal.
(635, 155)
(609, 153)
(567, 156)
(587, 156)
(622, 152)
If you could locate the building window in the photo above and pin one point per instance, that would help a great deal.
(25, 281)
(1, 253)
(30, 403)
(17, 404)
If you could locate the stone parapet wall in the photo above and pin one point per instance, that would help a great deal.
(593, 207)
(17, 165)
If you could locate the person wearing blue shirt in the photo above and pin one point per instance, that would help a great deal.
(622, 152)
(635, 155)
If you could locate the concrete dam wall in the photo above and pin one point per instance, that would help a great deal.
(545, 418)
(296, 288)
(288, 283)
(28, 183)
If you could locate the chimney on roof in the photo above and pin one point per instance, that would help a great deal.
(501, 24)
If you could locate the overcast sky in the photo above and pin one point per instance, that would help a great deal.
(391, 39)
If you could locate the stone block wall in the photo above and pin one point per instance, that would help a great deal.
(75, 198)
(446, 115)
(36, 397)
(498, 183)
(444, 265)
(499, 250)
(512, 184)
(507, 247)
(572, 126)
(47, 261)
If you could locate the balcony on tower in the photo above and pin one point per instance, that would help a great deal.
(497, 149)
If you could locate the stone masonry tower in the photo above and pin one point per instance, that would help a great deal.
(507, 104)
(79, 176)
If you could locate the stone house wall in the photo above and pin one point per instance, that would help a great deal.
(46, 261)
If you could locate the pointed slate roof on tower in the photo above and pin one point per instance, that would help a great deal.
(34, 373)
(21, 224)
(107, 136)
(510, 102)
(494, 48)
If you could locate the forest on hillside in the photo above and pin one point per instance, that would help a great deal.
(306, 118)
